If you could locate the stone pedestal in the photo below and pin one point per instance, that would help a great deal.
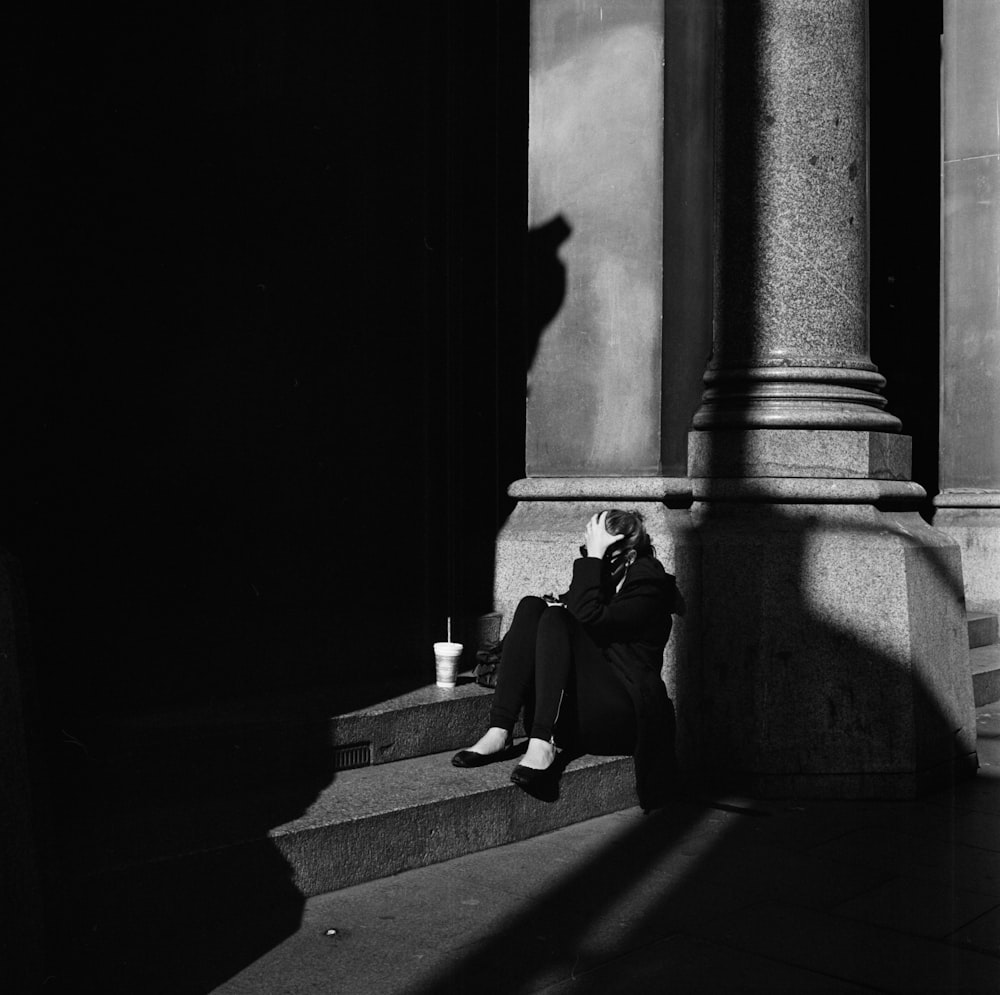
(971, 517)
(833, 646)
(968, 507)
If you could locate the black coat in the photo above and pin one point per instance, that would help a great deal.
(631, 627)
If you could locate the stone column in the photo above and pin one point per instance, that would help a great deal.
(834, 660)
(611, 390)
(968, 507)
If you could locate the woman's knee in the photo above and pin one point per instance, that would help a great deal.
(555, 621)
(531, 605)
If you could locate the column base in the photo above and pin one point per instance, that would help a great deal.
(834, 648)
(891, 785)
(972, 518)
(795, 397)
(799, 452)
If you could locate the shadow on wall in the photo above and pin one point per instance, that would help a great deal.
(546, 283)
(542, 278)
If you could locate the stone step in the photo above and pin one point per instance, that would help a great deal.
(985, 664)
(366, 823)
(983, 628)
(209, 751)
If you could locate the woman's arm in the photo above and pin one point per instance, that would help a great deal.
(622, 617)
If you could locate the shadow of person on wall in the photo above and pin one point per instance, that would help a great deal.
(535, 281)
(545, 281)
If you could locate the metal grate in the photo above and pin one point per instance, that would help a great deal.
(350, 757)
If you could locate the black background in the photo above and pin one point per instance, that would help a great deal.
(263, 375)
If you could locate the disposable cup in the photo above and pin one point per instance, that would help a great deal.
(446, 658)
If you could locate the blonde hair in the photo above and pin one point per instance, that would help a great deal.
(631, 526)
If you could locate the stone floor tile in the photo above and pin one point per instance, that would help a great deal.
(682, 965)
(786, 875)
(936, 820)
(857, 952)
(977, 794)
(801, 826)
(900, 854)
(923, 908)
(982, 935)
(404, 936)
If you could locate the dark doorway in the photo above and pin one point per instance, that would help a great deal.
(262, 391)
(904, 192)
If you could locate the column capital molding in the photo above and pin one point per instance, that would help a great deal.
(675, 491)
(806, 490)
(968, 497)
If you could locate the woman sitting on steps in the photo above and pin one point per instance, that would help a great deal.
(585, 667)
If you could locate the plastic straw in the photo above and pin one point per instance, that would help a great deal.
(449, 628)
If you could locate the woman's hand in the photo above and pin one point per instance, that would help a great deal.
(597, 538)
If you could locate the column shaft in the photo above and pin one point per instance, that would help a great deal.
(791, 329)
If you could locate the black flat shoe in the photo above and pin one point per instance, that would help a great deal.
(541, 784)
(525, 777)
(469, 758)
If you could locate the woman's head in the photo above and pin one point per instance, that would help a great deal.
(632, 528)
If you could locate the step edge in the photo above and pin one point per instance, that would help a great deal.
(295, 827)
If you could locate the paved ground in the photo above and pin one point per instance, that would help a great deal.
(732, 896)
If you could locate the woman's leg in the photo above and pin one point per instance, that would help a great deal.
(517, 663)
(553, 664)
(579, 696)
(553, 668)
(514, 682)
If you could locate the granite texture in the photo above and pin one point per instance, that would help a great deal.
(799, 453)
(793, 182)
(791, 335)
(670, 490)
(977, 532)
(424, 721)
(834, 650)
(806, 490)
(418, 812)
(968, 497)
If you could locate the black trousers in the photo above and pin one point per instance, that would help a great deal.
(552, 669)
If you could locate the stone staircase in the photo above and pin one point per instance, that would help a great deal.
(346, 799)
(984, 656)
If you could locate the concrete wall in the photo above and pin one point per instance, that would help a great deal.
(616, 375)
(595, 140)
(970, 411)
